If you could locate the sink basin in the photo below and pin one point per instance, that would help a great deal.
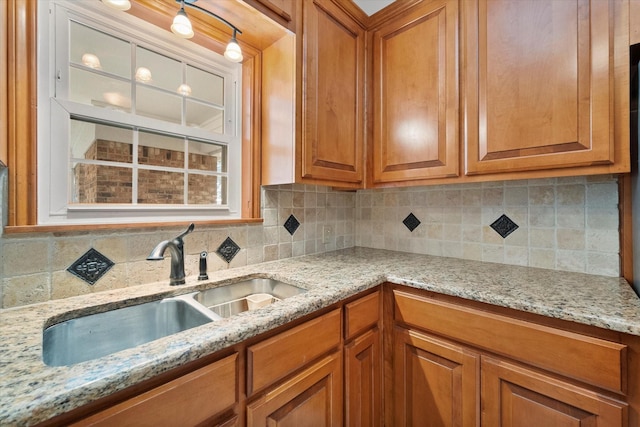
(97, 335)
(231, 299)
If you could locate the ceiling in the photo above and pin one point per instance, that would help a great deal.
(372, 6)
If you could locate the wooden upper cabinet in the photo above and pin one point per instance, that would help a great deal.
(332, 96)
(415, 94)
(281, 11)
(539, 84)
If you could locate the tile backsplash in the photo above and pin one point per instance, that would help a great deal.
(564, 224)
(568, 224)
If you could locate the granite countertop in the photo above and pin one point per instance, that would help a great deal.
(32, 392)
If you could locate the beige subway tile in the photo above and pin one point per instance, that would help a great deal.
(472, 216)
(602, 218)
(602, 195)
(65, 285)
(519, 237)
(542, 258)
(452, 249)
(516, 196)
(490, 236)
(493, 196)
(285, 199)
(452, 232)
(472, 251)
(472, 233)
(603, 264)
(570, 216)
(239, 260)
(493, 253)
(472, 197)
(570, 238)
(542, 216)
(542, 195)
(65, 251)
(298, 199)
(25, 289)
(570, 194)
(602, 240)
(25, 256)
(571, 261)
(516, 255)
(140, 272)
(254, 255)
(542, 238)
(115, 278)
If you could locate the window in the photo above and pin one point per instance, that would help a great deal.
(134, 124)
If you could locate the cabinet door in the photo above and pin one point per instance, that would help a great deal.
(415, 94)
(538, 77)
(363, 380)
(311, 398)
(194, 399)
(333, 95)
(515, 396)
(434, 382)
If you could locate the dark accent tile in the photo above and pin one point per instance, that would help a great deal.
(504, 226)
(291, 224)
(228, 249)
(411, 222)
(91, 266)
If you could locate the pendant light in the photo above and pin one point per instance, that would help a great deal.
(118, 4)
(182, 28)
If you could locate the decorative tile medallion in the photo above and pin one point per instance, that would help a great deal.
(504, 226)
(91, 266)
(411, 222)
(291, 224)
(228, 249)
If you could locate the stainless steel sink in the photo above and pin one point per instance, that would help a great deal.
(97, 335)
(231, 299)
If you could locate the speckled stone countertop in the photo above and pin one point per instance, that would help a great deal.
(31, 392)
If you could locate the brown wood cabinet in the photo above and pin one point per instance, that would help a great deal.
(196, 398)
(281, 11)
(514, 395)
(312, 397)
(363, 362)
(451, 360)
(415, 94)
(322, 140)
(435, 383)
(539, 83)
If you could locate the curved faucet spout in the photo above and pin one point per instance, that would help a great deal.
(176, 249)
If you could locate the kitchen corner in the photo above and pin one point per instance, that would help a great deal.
(33, 392)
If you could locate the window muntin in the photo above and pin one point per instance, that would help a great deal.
(197, 122)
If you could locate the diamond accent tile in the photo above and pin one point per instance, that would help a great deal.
(411, 222)
(91, 266)
(228, 250)
(504, 226)
(292, 224)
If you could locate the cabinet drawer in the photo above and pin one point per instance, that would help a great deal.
(595, 361)
(178, 402)
(272, 359)
(361, 314)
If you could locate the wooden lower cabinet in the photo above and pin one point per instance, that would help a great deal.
(199, 397)
(313, 397)
(513, 396)
(434, 381)
(363, 380)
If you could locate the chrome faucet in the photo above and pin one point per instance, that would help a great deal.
(176, 248)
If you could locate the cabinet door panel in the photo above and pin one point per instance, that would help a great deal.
(434, 381)
(416, 94)
(539, 79)
(515, 396)
(311, 398)
(333, 97)
(363, 380)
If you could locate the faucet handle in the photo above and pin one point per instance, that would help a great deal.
(187, 231)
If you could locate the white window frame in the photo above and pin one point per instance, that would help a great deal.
(54, 115)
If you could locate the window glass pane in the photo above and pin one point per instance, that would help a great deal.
(206, 86)
(91, 141)
(101, 184)
(157, 70)
(160, 150)
(90, 88)
(207, 190)
(207, 157)
(205, 117)
(94, 49)
(158, 105)
(160, 187)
